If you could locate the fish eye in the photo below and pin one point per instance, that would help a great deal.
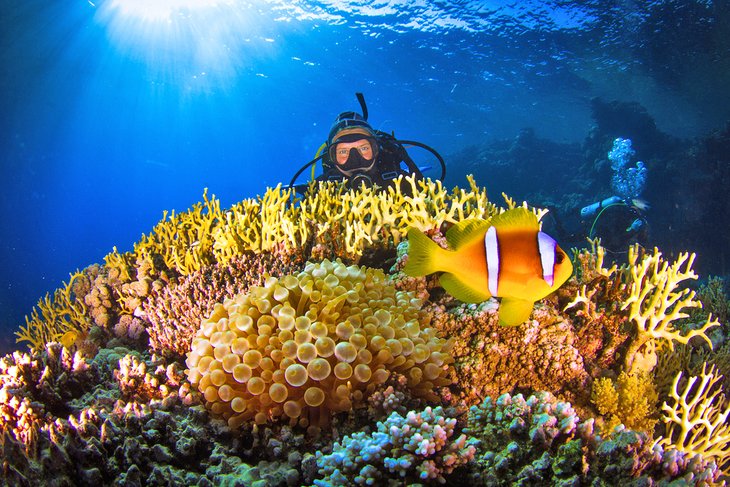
(559, 257)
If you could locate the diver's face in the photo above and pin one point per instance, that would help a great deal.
(363, 146)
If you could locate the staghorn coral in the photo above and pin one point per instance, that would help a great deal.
(697, 419)
(307, 345)
(631, 400)
(417, 447)
(542, 441)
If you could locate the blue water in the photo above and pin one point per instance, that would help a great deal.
(113, 111)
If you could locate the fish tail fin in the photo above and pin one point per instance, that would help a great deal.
(514, 312)
(422, 254)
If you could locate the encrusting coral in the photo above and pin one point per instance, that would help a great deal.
(311, 344)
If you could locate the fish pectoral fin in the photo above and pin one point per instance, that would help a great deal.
(460, 290)
(513, 312)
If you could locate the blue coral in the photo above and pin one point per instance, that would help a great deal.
(417, 447)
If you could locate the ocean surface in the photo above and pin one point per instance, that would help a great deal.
(113, 111)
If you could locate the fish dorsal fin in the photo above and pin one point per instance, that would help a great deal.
(460, 290)
(513, 312)
(517, 219)
(466, 231)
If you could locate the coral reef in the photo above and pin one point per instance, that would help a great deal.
(305, 356)
(308, 345)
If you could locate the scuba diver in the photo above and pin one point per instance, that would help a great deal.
(618, 222)
(357, 154)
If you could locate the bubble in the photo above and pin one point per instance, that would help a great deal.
(362, 373)
(306, 352)
(286, 322)
(204, 363)
(278, 392)
(244, 323)
(345, 352)
(225, 393)
(343, 370)
(325, 346)
(252, 358)
(290, 348)
(218, 377)
(238, 404)
(420, 353)
(394, 345)
(319, 369)
(314, 396)
(318, 329)
(230, 361)
(344, 330)
(431, 371)
(239, 346)
(292, 409)
(280, 293)
(211, 393)
(255, 385)
(302, 323)
(359, 341)
(242, 373)
(296, 375)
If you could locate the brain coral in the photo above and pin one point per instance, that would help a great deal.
(307, 345)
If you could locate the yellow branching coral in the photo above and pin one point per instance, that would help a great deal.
(630, 401)
(308, 345)
(57, 319)
(697, 419)
(656, 302)
(348, 220)
(184, 240)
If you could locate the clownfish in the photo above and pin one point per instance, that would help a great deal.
(506, 257)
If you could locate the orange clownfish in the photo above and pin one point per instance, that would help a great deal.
(506, 257)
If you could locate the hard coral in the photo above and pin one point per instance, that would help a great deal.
(491, 359)
(542, 441)
(697, 418)
(656, 302)
(308, 345)
(417, 447)
(175, 312)
(53, 318)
